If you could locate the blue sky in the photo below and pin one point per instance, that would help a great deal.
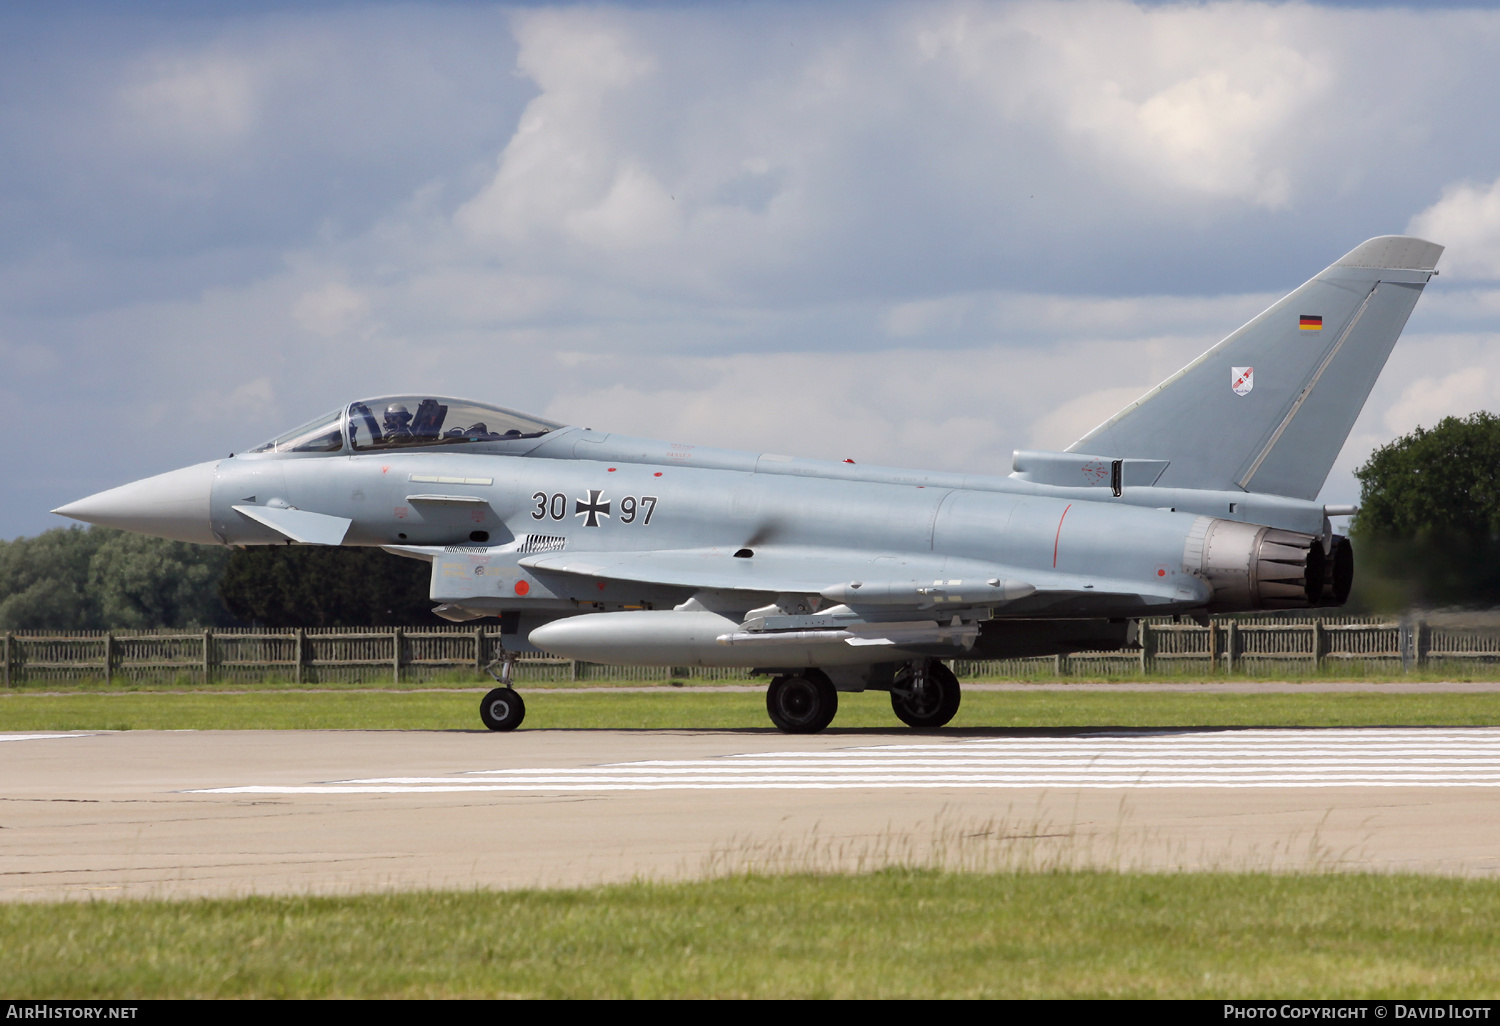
(923, 234)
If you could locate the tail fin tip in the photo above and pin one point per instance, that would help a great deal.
(1268, 408)
(1393, 252)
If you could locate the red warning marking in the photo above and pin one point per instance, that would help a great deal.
(657, 474)
(600, 585)
(522, 587)
(611, 470)
(1058, 537)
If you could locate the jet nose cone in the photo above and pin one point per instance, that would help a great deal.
(173, 505)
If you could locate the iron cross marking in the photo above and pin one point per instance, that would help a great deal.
(593, 509)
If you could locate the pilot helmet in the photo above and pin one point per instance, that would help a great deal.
(396, 415)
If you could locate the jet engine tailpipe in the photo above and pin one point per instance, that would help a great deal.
(1255, 567)
(1338, 572)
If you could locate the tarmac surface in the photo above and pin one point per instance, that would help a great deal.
(229, 813)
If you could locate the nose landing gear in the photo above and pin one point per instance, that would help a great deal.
(502, 708)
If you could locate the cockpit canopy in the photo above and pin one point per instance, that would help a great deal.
(406, 422)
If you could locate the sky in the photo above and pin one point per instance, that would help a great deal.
(916, 234)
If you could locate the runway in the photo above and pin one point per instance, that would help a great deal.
(177, 813)
(1250, 758)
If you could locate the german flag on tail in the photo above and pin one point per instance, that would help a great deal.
(1310, 322)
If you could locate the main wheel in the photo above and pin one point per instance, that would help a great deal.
(927, 700)
(804, 704)
(502, 709)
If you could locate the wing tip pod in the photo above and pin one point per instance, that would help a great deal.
(1393, 252)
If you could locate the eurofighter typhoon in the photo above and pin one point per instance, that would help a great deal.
(1197, 498)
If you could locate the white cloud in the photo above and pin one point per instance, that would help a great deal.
(1428, 400)
(331, 309)
(564, 166)
(1061, 427)
(737, 156)
(963, 411)
(1196, 98)
(1012, 316)
(635, 212)
(199, 102)
(230, 407)
(1467, 221)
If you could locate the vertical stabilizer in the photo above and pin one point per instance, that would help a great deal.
(1269, 408)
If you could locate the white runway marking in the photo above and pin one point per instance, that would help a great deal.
(38, 737)
(1440, 757)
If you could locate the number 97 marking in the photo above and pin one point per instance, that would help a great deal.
(631, 508)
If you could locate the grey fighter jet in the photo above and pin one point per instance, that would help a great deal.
(1197, 498)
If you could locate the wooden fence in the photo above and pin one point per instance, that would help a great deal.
(410, 655)
(388, 655)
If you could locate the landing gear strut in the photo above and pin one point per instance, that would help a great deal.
(925, 694)
(802, 704)
(502, 708)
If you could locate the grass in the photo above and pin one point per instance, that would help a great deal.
(893, 933)
(669, 709)
(1292, 671)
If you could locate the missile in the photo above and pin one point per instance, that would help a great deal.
(924, 595)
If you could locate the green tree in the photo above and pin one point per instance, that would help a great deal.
(1428, 529)
(140, 581)
(72, 578)
(44, 581)
(296, 586)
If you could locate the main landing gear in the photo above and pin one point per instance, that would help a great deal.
(802, 703)
(924, 695)
(502, 708)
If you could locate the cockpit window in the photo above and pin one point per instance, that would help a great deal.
(400, 422)
(321, 435)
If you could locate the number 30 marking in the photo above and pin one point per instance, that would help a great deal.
(556, 504)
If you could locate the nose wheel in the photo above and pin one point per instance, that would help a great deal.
(925, 695)
(502, 708)
(802, 704)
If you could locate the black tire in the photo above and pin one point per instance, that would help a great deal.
(804, 704)
(934, 706)
(502, 709)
